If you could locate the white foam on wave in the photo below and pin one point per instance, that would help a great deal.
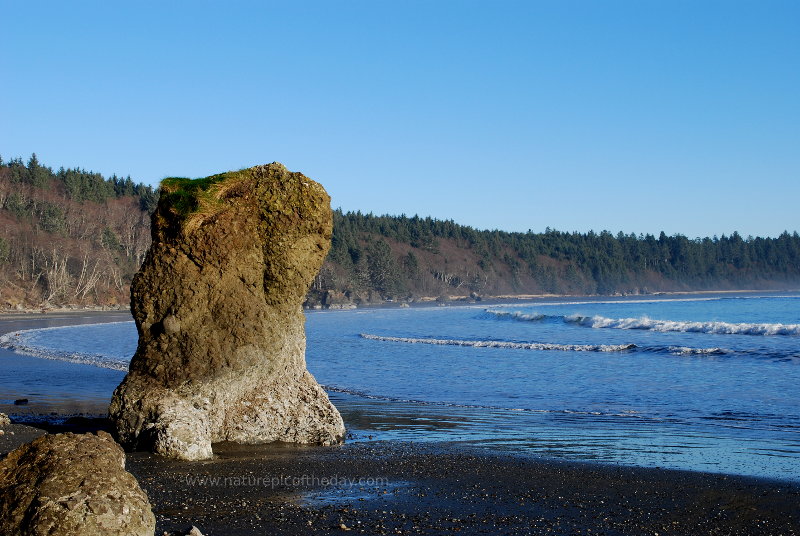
(685, 350)
(724, 328)
(24, 342)
(516, 315)
(506, 344)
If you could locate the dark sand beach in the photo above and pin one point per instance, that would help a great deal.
(408, 488)
(442, 488)
(421, 489)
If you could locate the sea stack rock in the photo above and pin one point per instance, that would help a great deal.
(218, 307)
(67, 484)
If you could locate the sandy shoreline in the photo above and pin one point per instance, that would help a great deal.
(421, 301)
(410, 488)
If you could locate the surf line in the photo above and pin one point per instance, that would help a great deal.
(506, 344)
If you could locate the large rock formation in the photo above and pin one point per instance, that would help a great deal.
(217, 304)
(67, 484)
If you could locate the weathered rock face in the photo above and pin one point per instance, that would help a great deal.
(67, 484)
(217, 304)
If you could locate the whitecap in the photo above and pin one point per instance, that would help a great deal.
(645, 323)
(685, 350)
(516, 315)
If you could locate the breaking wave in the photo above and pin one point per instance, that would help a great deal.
(506, 344)
(664, 350)
(516, 315)
(685, 350)
(725, 328)
(645, 323)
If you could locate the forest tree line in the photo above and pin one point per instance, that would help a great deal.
(69, 236)
(401, 256)
(75, 236)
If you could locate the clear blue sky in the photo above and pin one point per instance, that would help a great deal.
(639, 115)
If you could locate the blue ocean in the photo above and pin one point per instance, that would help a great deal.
(708, 383)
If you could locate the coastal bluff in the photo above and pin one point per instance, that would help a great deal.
(218, 308)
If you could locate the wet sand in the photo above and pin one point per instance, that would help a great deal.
(406, 488)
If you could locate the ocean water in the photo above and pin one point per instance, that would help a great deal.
(699, 383)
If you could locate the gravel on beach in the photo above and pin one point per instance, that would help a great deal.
(441, 488)
(407, 488)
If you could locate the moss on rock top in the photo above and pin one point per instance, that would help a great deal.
(185, 196)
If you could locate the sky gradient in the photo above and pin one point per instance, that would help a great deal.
(634, 116)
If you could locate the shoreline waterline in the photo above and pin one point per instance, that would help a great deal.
(71, 311)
